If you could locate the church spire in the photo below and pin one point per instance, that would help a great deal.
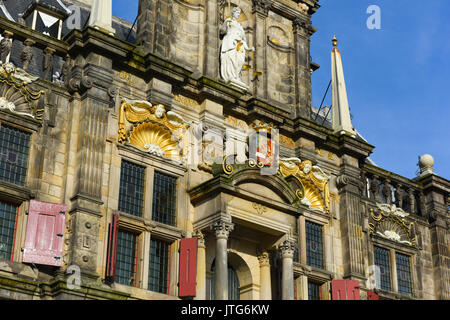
(101, 15)
(341, 111)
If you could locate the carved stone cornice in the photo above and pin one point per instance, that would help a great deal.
(303, 27)
(287, 248)
(264, 258)
(261, 6)
(344, 180)
(222, 229)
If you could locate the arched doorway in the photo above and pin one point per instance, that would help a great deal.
(233, 283)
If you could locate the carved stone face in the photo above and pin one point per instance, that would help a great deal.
(236, 12)
(307, 168)
(159, 112)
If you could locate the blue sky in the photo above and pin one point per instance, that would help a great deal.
(398, 77)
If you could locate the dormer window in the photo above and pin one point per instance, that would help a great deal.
(46, 16)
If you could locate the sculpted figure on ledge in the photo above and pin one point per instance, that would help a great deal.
(232, 52)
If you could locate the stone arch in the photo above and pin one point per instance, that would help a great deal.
(274, 182)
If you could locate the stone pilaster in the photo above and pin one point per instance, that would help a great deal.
(222, 231)
(303, 30)
(287, 249)
(353, 242)
(201, 266)
(260, 12)
(146, 24)
(212, 45)
(265, 281)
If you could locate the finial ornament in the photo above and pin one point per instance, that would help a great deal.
(334, 41)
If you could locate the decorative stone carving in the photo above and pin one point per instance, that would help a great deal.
(233, 50)
(425, 164)
(66, 68)
(261, 6)
(390, 223)
(6, 45)
(222, 229)
(47, 64)
(303, 7)
(200, 238)
(303, 27)
(17, 96)
(27, 53)
(287, 248)
(260, 209)
(316, 193)
(264, 258)
(154, 130)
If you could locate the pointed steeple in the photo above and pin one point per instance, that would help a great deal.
(101, 15)
(341, 111)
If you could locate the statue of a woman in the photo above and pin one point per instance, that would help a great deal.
(234, 46)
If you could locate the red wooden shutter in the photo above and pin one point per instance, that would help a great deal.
(345, 290)
(353, 290)
(338, 290)
(111, 254)
(188, 267)
(372, 295)
(45, 233)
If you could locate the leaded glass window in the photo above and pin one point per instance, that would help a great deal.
(314, 246)
(381, 256)
(14, 150)
(131, 194)
(164, 198)
(403, 274)
(7, 224)
(313, 291)
(126, 258)
(158, 272)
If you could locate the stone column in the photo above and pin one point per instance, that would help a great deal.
(265, 281)
(287, 249)
(261, 11)
(222, 230)
(201, 266)
(212, 43)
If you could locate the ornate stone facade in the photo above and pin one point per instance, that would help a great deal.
(155, 100)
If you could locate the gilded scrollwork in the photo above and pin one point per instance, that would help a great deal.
(17, 97)
(389, 222)
(313, 180)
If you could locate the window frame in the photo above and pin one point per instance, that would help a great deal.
(144, 225)
(393, 250)
(19, 195)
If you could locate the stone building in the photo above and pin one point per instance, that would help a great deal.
(130, 169)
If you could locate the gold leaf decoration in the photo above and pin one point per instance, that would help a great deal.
(147, 135)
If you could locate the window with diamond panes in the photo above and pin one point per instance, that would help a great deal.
(403, 274)
(381, 256)
(158, 272)
(313, 291)
(314, 247)
(164, 198)
(14, 150)
(126, 258)
(7, 224)
(131, 194)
